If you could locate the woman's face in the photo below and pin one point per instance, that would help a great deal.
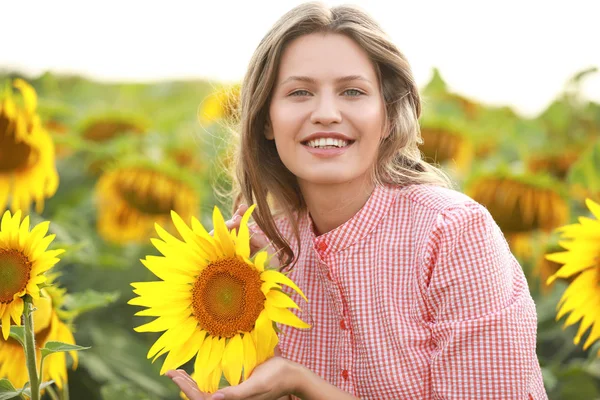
(326, 112)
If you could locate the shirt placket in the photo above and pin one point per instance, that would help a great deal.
(329, 273)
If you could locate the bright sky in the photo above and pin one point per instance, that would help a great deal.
(515, 52)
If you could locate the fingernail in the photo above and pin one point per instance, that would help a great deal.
(218, 396)
(236, 217)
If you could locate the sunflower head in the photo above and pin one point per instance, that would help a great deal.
(581, 262)
(27, 170)
(132, 197)
(214, 301)
(520, 203)
(556, 163)
(447, 141)
(104, 127)
(23, 260)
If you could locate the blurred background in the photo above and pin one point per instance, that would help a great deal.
(134, 101)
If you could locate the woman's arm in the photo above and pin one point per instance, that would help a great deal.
(483, 319)
(310, 386)
(274, 379)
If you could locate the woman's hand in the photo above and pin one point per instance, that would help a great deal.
(272, 380)
(187, 385)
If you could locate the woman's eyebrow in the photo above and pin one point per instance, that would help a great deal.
(338, 80)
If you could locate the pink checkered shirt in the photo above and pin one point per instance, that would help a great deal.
(417, 296)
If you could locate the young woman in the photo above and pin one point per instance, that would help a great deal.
(413, 292)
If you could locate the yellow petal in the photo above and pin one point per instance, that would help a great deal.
(5, 324)
(161, 324)
(277, 277)
(279, 299)
(184, 352)
(249, 355)
(170, 337)
(285, 316)
(261, 336)
(170, 275)
(259, 260)
(243, 237)
(593, 207)
(202, 357)
(28, 93)
(222, 234)
(216, 353)
(232, 362)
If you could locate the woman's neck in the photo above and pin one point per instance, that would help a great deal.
(332, 205)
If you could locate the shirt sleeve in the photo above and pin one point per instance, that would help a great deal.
(482, 318)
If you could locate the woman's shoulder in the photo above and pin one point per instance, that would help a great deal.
(432, 199)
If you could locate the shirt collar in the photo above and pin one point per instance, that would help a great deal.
(361, 224)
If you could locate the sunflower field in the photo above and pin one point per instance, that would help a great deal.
(91, 172)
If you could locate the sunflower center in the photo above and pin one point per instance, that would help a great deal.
(105, 130)
(13, 155)
(153, 196)
(226, 298)
(15, 270)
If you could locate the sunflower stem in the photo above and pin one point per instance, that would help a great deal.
(34, 382)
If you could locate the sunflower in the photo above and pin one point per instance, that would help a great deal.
(48, 327)
(222, 104)
(445, 145)
(214, 301)
(27, 170)
(581, 258)
(23, 260)
(101, 128)
(132, 198)
(521, 205)
(556, 163)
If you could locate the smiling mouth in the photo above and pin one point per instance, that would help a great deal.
(328, 143)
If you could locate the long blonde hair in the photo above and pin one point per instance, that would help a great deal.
(259, 175)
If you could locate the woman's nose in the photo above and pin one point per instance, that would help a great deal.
(326, 110)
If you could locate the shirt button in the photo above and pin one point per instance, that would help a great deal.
(343, 325)
(329, 276)
(345, 374)
(321, 246)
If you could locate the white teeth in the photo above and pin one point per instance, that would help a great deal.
(324, 142)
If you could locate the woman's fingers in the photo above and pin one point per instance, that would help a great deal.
(186, 384)
(258, 241)
(235, 220)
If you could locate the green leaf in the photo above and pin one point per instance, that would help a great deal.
(18, 333)
(8, 391)
(56, 347)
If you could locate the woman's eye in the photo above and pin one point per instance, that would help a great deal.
(303, 92)
(355, 92)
